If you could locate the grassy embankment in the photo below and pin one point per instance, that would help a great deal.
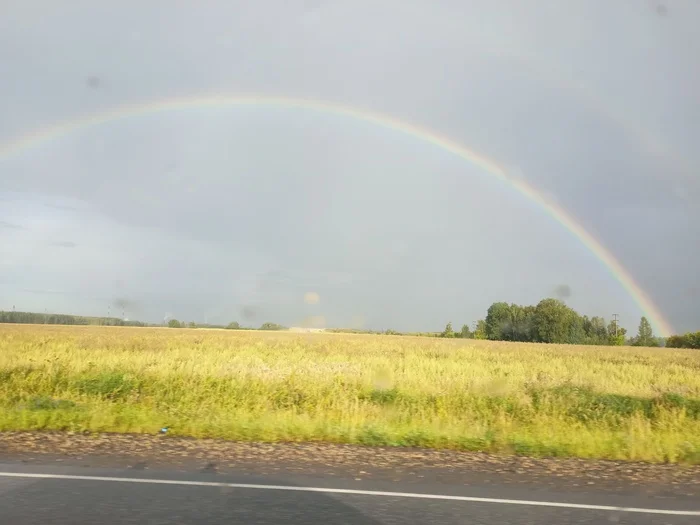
(595, 402)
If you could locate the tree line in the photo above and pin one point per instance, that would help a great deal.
(689, 340)
(174, 323)
(81, 320)
(550, 321)
(64, 319)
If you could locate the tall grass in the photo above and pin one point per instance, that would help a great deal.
(595, 402)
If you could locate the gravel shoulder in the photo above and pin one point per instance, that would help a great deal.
(142, 452)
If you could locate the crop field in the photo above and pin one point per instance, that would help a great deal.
(514, 398)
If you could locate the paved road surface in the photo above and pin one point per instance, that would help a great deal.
(51, 494)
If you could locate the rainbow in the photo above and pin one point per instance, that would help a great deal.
(565, 80)
(660, 324)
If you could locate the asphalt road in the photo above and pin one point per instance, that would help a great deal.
(76, 495)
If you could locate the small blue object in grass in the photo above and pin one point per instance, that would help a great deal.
(164, 430)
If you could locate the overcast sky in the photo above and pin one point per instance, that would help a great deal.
(234, 213)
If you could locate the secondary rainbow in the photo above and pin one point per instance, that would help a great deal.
(556, 76)
(660, 324)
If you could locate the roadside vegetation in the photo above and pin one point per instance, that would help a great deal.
(630, 403)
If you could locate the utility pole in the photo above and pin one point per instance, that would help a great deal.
(615, 322)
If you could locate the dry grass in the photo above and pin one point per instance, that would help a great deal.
(591, 402)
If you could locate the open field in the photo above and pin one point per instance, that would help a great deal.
(591, 402)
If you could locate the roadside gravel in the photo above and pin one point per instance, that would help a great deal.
(144, 451)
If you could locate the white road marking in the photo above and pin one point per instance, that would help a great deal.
(291, 488)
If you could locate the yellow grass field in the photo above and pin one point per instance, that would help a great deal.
(591, 402)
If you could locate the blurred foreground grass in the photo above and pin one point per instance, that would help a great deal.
(591, 402)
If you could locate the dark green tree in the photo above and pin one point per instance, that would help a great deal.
(616, 334)
(233, 326)
(675, 341)
(480, 330)
(693, 340)
(553, 321)
(520, 327)
(498, 322)
(448, 331)
(645, 334)
(174, 323)
(271, 326)
(595, 332)
(465, 332)
(577, 333)
(689, 340)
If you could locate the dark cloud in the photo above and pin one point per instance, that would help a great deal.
(235, 212)
(120, 302)
(563, 292)
(124, 307)
(124, 303)
(93, 82)
(661, 9)
(250, 313)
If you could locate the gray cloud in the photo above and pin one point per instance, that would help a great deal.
(121, 302)
(60, 207)
(563, 291)
(236, 212)
(44, 292)
(64, 244)
(93, 82)
(11, 226)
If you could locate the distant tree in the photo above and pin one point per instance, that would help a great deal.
(674, 341)
(616, 334)
(192, 324)
(271, 326)
(693, 340)
(63, 319)
(233, 326)
(448, 331)
(498, 322)
(576, 333)
(553, 321)
(521, 323)
(689, 340)
(174, 323)
(645, 334)
(465, 332)
(509, 322)
(480, 330)
(595, 332)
